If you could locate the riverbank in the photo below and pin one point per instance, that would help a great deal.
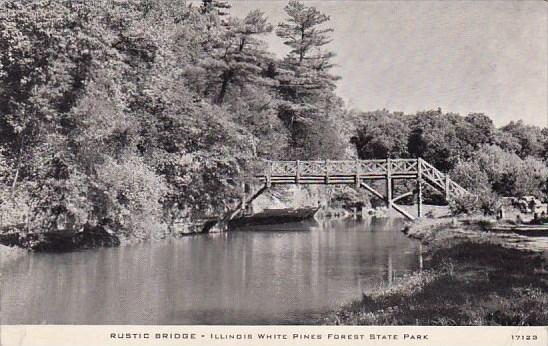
(292, 204)
(472, 277)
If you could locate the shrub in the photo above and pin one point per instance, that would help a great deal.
(485, 201)
(133, 194)
(467, 204)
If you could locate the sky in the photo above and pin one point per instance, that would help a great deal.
(463, 56)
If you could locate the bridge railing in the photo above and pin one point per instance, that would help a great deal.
(339, 167)
(379, 168)
(403, 166)
(441, 180)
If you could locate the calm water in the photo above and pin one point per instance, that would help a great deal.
(290, 276)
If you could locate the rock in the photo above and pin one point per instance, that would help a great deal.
(185, 229)
(97, 236)
(62, 241)
(218, 227)
(10, 237)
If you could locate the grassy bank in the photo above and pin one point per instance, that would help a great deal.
(472, 278)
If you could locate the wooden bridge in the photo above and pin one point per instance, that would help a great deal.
(357, 173)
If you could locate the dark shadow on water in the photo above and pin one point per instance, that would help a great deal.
(302, 226)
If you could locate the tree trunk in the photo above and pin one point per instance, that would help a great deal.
(227, 76)
(242, 44)
(19, 159)
(301, 48)
(15, 178)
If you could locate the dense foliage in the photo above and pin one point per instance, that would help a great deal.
(489, 162)
(134, 114)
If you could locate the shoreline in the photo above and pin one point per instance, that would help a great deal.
(472, 277)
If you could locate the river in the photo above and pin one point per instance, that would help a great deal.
(292, 275)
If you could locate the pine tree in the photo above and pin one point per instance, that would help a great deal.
(308, 62)
(237, 56)
(302, 33)
(305, 82)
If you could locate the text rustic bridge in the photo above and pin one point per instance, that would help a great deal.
(357, 173)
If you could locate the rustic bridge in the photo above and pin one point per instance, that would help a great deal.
(357, 173)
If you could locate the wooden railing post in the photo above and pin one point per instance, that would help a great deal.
(419, 187)
(298, 172)
(327, 171)
(388, 184)
(243, 204)
(447, 193)
(269, 174)
(358, 172)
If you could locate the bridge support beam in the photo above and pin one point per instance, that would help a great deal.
(372, 190)
(419, 188)
(447, 192)
(357, 178)
(223, 222)
(402, 211)
(388, 184)
(419, 198)
(247, 202)
(407, 194)
(392, 204)
(243, 204)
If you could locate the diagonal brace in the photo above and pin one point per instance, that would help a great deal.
(372, 190)
(403, 212)
(395, 206)
(232, 214)
(410, 193)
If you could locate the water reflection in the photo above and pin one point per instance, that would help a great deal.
(242, 277)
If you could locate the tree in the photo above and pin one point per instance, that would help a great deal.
(46, 53)
(530, 138)
(482, 128)
(301, 32)
(97, 121)
(508, 174)
(306, 85)
(470, 175)
(233, 57)
(317, 140)
(381, 135)
(434, 138)
(307, 62)
(244, 53)
(507, 141)
(445, 139)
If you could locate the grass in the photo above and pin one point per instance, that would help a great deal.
(471, 280)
